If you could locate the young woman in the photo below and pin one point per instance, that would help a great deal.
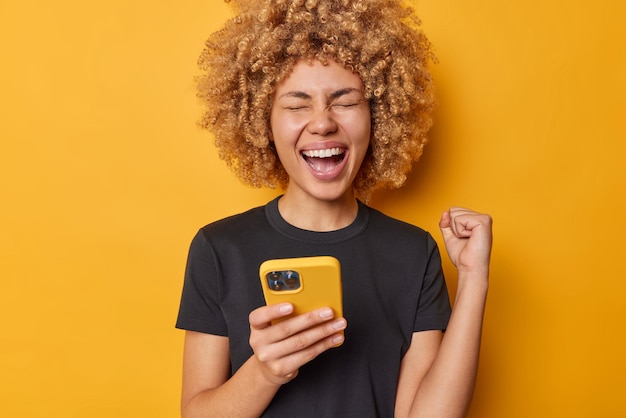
(330, 100)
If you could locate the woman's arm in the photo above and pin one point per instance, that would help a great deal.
(437, 374)
(279, 351)
(207, 385)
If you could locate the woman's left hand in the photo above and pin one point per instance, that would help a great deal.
(468, 238)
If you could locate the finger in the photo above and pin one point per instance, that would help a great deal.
(300, 323)
(312, 336)
(463, 221)
(263, 333)
(450, 221)
(445, 225)
(444, 222)
(461, 226)
(304, 356)
(303, 340)
(262, 317)
(287, 366)
(476, 227)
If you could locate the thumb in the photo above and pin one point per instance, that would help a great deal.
(445, 225)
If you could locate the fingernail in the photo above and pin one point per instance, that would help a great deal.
(338, 339)
(339, 324)
(285, 308)
(326, 313)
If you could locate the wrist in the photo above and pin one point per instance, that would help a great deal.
(473, 281)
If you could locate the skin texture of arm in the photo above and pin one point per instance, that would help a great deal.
(279, 351)
(206, 383)
(438, 373)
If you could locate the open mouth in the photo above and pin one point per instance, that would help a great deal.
(324, 160)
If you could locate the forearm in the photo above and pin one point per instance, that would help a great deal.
(447, 387)
(246, 394)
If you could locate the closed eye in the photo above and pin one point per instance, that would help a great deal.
(345, 105)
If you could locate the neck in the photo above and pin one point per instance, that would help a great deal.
(318, 215)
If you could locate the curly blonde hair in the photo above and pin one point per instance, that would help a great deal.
(258, 48)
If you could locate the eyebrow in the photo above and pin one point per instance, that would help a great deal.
(334, 95)
(343, 92)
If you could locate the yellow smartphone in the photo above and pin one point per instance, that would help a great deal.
(307, 282)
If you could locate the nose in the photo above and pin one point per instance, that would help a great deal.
(322, 122)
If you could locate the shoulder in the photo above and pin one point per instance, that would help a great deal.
(233, 229)
(392, 234)
(235, 222)
(387, 226)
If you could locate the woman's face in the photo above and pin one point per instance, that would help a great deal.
(320, 124)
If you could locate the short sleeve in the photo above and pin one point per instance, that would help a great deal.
(200, 301)
(433, 311)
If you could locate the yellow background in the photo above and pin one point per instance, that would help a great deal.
(105, 178)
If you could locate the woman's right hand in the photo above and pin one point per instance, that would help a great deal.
(281, 349)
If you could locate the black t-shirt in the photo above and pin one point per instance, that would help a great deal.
(393, 285)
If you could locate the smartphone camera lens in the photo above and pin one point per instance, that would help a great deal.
(283, 280)
(276, 285)
(275, 280)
